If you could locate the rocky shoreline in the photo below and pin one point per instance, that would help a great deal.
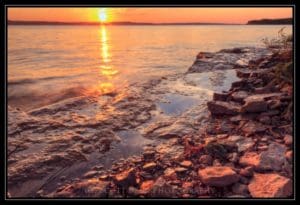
(243, 150)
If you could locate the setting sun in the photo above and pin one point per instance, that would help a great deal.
(102, 15)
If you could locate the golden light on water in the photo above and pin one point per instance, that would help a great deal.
(106, 69)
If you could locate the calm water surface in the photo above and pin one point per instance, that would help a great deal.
(50, 63)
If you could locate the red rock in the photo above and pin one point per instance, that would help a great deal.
(258, 103)
(90, 174)
(186, 163)
(218, 176)
(223, 108)
(170, 174)
(254, 105)
(247, 172)
(272, 159)
(250, 159)
(149, 154)
(264, 119)
(289, 155)
(288, 140)
(253, 127)
(187, 185)
(206, 159)
(150, 166)
(239, 96)
(180, 170)
(88, 188)
(270, 186)
(125, 178)
(147, 185)
(220, 96)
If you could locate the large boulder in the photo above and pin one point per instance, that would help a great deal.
(223, 108)
(270, 186)
(272, 159)
(218, 176)
(258, 103)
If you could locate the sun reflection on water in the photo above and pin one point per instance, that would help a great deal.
(105, 69)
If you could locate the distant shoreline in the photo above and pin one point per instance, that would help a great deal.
(285, 21)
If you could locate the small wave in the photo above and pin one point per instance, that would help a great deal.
(32, 81)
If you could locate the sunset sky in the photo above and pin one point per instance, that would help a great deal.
(153, 15)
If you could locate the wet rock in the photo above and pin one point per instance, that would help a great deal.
(272, 159)
(180, 170)
(252, 127)
(275, 121)
(133, 192)
(223, 108)
(161, 189)
(186, 163)
(288, 140)
(242, 143)
(202, 55)
(218, 176)
(206, 159)
(88, 188)
(216, 150)
(250, 159)
(146, 175)
(247, 172)
(289, 155)
(245, 144)
(170, 174)
(254, 104)
(87, 148)
(149, 154)
(233, 50)
(270, 186)
(242, 63)
(98, 167)
(234, 158)
(90, 174)
(239, 84)
(125, 178)
(240, 189)
(258, 102)
(146, 186)
(220, 96)
(103, 177)
(222, 66)
(239, 96)
(264, 119)
(151, 166)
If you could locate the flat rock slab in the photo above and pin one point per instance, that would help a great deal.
(218, 176)
(270, 186)
(258, 103)
(223, 108)
(88, 188)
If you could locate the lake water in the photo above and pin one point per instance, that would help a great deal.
(47, 64)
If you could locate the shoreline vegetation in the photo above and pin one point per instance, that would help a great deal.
(286, 21)
(243, 150)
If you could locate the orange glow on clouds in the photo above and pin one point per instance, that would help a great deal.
(155, 15)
